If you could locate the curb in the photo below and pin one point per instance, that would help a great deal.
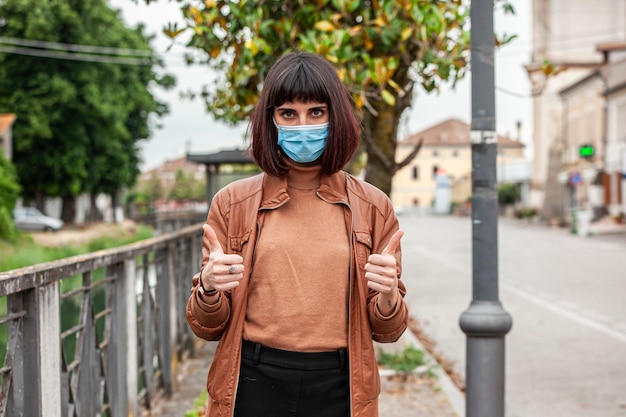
(455, 396)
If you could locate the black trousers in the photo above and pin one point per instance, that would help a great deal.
(279, 383)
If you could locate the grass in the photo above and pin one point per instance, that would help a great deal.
(199, 405)
(404, 362)
(25, 252)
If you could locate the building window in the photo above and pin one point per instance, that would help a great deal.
(416, 172)
(455, 153)
(435, 152)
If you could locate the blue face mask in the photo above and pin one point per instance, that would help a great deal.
(303, 143)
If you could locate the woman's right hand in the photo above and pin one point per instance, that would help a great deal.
(223, 271)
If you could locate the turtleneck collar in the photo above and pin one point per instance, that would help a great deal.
(304, 177)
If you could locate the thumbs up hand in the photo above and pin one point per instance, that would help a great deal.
(223, 271)
(382, 274)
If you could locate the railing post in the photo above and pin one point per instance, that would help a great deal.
(165, 317)
(122, 366)
(42, 351)
(15, 346)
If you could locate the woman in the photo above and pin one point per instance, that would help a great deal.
(301, 264)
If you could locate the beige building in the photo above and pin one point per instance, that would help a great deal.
(565, 36)
(593, 149)
(446, 150)
(167, 171)
(615, 155)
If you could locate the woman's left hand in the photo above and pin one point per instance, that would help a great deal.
(382, 274)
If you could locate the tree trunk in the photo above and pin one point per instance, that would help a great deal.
(40, 201)
(68, 212)
(115, 204)
(380, 138)
(381, 127)
(93, 215)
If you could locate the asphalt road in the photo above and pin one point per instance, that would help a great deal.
(566, 352)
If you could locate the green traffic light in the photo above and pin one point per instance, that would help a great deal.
(586, 151)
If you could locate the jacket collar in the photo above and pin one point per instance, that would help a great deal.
(332, 188)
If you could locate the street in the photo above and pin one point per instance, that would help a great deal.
(566, 352)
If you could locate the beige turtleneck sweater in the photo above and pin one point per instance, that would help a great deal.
(298, 291)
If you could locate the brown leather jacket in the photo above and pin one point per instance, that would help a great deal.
(236, 215)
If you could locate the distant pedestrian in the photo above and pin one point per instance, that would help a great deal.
(301, 264)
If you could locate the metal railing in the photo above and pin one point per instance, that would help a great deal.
(97, 334)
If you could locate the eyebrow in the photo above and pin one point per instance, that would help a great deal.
(321, 106)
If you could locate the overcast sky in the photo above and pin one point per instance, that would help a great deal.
(189, 127)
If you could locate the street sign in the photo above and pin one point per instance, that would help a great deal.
(575, 178)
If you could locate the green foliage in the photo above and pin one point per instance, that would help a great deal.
(508, 194)
(153, 187)
(187, 188)
(181, 190)
(24, 252)
(407, 361)
(137, 200)
(199, 405)
(9, 191)
(373, 45)
(383, 51)
(105, 242)
(7, 228)
(78, 122)
(526, 213)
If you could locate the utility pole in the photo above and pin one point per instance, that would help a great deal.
(485, 322)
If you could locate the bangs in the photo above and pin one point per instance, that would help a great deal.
(299, 83)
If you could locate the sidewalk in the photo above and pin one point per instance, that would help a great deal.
(401, 396)
(606, 226)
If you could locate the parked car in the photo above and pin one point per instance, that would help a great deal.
(29, 218)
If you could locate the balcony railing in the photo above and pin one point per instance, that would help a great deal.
(98, 334)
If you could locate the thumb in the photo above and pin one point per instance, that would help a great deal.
(393, 244)
(214, 243)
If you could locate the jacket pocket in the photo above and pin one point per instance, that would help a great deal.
(237, 242)
(363, 248)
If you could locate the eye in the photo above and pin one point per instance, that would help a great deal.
(318, 112)
(287, 113)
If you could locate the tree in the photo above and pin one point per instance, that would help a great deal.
(182, 188)
(82, 108)
(9, 191)
(153, 187)
(382, 49)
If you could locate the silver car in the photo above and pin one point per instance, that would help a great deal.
(29, 218)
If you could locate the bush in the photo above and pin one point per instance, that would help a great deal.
(410, 359)
(508, 194)
(526, 213)
(9, 191)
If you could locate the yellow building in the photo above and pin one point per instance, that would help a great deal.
(446, 150)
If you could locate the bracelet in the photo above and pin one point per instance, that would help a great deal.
(204, 291)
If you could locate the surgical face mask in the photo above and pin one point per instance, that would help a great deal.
(304, 143)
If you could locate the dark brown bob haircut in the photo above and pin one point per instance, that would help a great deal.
(305, 77)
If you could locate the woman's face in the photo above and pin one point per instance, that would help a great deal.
(298, 113)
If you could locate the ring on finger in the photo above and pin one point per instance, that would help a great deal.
(232, 269)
